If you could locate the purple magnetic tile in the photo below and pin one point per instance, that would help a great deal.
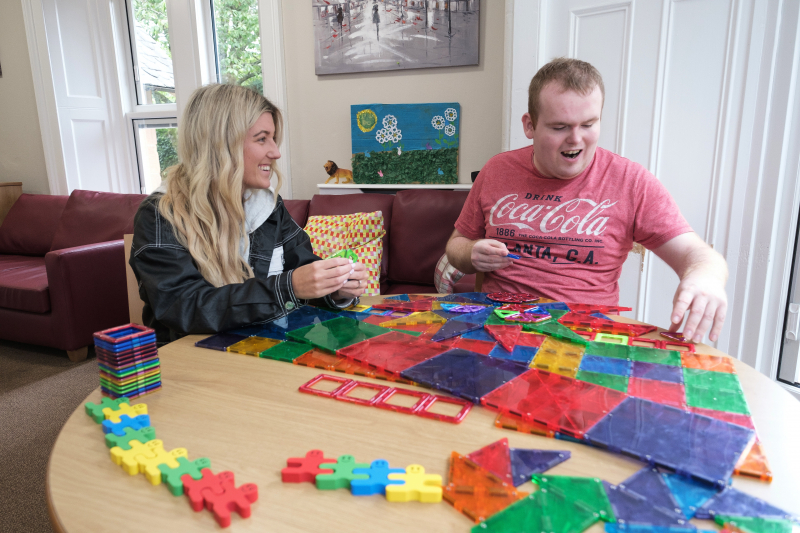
(648, 482)
(656, 371)
(736, 503)
(464, 299)
(467, 308)
(693, 445)
(521, 354)
(525, 462)
(454, 328)
(462, 373)
(633, 508)
(220, 341)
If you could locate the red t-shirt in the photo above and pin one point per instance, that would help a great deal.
(572, 235)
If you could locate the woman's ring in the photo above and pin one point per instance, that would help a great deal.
(359, 283)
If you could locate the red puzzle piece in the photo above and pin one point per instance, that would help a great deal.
(232, 499)
(507, 336)
(193, 488)
(301, 469)
(495, 458)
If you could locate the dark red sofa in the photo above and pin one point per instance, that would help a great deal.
(418, 224)
(62, 268)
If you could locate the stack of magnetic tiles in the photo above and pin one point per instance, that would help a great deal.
(128, 360)
(134, 446)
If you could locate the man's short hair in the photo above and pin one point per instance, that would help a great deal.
(571, 74)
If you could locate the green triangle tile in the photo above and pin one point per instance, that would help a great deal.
(586, 492)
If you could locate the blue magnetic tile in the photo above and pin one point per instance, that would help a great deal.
(354, 315)
(401, 297)
(454, 328)
(127, 345)
(462, 373)
(681, 441)
(648, 482)
(476, 318)
(600, 315)
(220, 341)
(732, 502)
(630, 507)
(689, 493)
(656, 371)
(479, 335)
(606, 365)
(299, 318)
(561, 306)
(477, 297)
(525, 462)
(614, 527)
(521, 354)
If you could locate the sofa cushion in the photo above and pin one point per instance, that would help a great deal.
(31, 223)
(298, 209)
(23, 284)
(92, 217)
(422, 222)
(345, 204)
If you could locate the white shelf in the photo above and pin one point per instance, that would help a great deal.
(355, 188)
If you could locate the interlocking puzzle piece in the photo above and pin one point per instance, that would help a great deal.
(209, 483)
(632, 507)
(558, 357)
(417, 486)
(754, 464)
(751, 524)
(377, 478)
(506, 335)
(342, 473)
(346, 254)
(475, 491)
(148, 463)
(305, 469)
(540, 511)
(137, 422)
(526, 462)
(231, 499)
(649, 483)
(127, 459)
(173, 477)
(689, 493)
(142, 435)
(97, 411)
(587, 492)
(495, 458)
(124, 409)
(733, 502)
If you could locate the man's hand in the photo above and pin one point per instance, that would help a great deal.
(701, 291)
(321, 278)
(482, 255)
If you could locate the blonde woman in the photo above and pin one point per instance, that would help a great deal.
(214, 248)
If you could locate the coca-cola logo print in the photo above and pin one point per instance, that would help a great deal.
(581, 215)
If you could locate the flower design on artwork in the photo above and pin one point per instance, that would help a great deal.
(438, 122)
(389, 122)
(381, 137)
(450, 114)
(449, 130)
(396, 135)
(366, 120)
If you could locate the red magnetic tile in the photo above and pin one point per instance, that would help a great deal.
(602, 309)
(336, 363)
(533, 340)
(392, 352)
(399, 305)
(512, 297)
(733, 418)
(559, 402)
(587, 322)
(663, 392)
(647, 343)
(415, 327)
(507, 336)
(343, 393)
(473, 345)
(495, 458)
(377, 320)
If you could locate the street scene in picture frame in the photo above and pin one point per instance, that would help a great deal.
(372, 35)
(405, 143)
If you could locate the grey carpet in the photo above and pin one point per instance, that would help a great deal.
(39, 389)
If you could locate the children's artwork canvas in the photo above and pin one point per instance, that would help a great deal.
(372, 35)
(405, 143)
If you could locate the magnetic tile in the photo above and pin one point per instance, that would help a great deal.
(558, 357)
(534, 340)
(655, 371)
(554, 329)
(612, 339)
(733, 502)
(714, 390)
(733, 418)
(399, 297)
(520, 354)
(525, 462)
(299, 318)
(252, 345)
(655, 355)
(561, 403)
(650, 528)
(600, 315)
(689, 493)
(539, 512)
(424, 317)
(557, 313)
(496, 458)
(335, 334)
(717, 363)
(751, 524)
(286, 351)
(475, 491)
(512, 297)
(682, 441)
(593, 308)
(465, 374)
(611, 381)
(588, 492)
(454, 328)
(412, 306)
(516, 423)
(472, 345)
(220, 341)
(478, 334)
(561, 306)
(606, 365)
(631, 507)
(662, 392)
(649, 483)
(392, 352)
(337, 363)
(754, 464)
(606, 349)
(477, 297)
(476, 318)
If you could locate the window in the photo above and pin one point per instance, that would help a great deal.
(237, 43)
(156, 149)
(152, 59)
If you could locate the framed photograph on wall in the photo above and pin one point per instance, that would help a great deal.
(373, 35)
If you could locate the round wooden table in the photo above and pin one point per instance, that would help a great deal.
(247, 416)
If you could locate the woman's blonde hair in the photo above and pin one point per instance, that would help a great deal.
(203, 201)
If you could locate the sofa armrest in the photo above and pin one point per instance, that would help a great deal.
(88, 291)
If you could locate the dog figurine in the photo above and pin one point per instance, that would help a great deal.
(341, 175)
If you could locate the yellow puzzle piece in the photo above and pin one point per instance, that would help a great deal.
(127, 458)
(146, 458)
(125, 409)
(418, 486)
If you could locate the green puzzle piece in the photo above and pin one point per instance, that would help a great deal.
(541, 511)
(171, 477)
(611, 381)
(752, 524)
(96, 410)
(286, 351)
(585, 492)
(342, 473)
(145, 434)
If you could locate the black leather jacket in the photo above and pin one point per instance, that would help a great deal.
(178, 301)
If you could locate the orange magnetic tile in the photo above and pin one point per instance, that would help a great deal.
(516, 423)
(431, 331)
(754, 464)
(337, 363)
(475, 491)
(707, 362)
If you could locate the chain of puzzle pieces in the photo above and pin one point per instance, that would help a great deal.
(133, 445)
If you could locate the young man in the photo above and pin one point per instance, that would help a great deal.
(572, 212)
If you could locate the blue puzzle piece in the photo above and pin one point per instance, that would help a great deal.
(648, 482)
(479, 335)
(118, 428)
(378, 473)
(631, 507)
(659, 372)
(606, 365)
(689, 493)
(732, 502)
(526, 462)
(521, 354)
(454, 328)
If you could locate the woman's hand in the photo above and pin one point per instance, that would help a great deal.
(321, 278)
(355, 285)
